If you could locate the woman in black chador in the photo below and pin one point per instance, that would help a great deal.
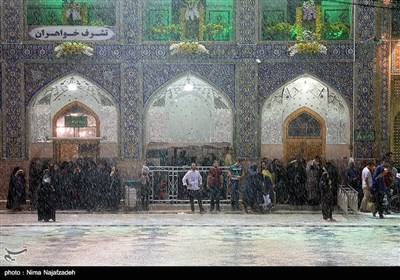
(251, 189)
(17, 190)
(46, 199)
(327, 196)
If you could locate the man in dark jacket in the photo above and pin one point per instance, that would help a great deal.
(378, 190)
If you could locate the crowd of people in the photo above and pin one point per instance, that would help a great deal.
(83, 184)
(300, 183)
(267, 183)
(80, 184)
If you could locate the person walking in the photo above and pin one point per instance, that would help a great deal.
(378, 190)
(366, 181)
(313, 171)
(215, 182)
(192, 180)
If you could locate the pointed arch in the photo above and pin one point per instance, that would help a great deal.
(306, 91)
(55, 98)
(75, 106)
(198, 115)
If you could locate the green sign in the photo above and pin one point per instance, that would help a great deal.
(72, 121)
(367, 136)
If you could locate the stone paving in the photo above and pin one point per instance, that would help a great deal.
(179, 238)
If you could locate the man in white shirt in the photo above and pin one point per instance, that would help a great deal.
(193, 181)
(366, 179)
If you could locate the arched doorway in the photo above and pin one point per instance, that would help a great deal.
(306, 94)
(92, 120)
(304, 135)
(191, 114)
(76, 133)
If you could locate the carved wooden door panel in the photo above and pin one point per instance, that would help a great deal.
(71, 149)
(304, 135)
(68, 151)
(308, 148)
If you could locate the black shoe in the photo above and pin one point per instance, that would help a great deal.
(374, 213)
(381, 217)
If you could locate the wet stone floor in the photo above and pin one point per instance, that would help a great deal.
(183, 239)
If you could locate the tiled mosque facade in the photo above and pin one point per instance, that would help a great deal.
(248, 89)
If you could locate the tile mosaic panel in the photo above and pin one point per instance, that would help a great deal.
(247, 112)
(135, 85)
(396, 140)
(132, 111)
(396, 58)
(272, 75)
(12, 12)
(313, 94)
(130, 20)
(1, 87)
(54, 97)
(246, 19)
(384, 80)
(14, 125)
(364, 75)
(396, 88)
(38, 75)
(157, 75)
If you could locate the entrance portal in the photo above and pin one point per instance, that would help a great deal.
(304, 135)
(71, 149)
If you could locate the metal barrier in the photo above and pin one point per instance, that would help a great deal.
(167, 186)
(347, 199)
(132, 189)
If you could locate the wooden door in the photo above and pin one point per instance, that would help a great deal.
(71, 149)
(308, 148)
(68, 151)
(76, 133)
(304, 135)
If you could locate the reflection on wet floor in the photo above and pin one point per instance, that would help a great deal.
(203, 245)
